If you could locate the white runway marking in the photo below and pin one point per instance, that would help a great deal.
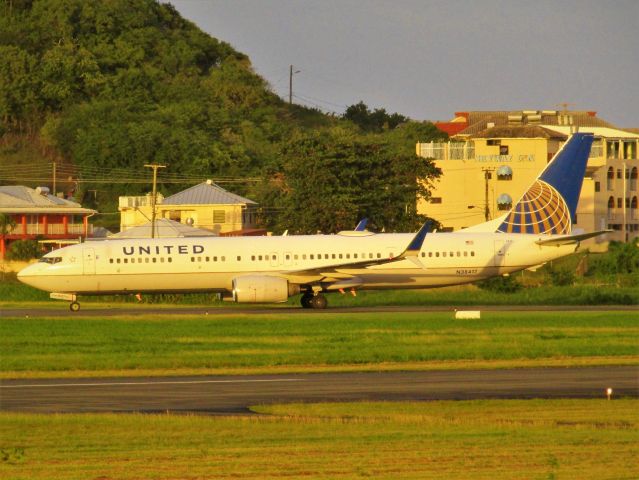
(176, 382)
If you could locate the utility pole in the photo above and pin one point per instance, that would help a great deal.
(290, 84)
(155, 168)
(487, 176)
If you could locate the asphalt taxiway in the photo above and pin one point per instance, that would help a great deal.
(99, 311)
(234, 394)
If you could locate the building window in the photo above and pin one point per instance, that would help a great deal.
(633, 179)
(503, 150)
(597, 186)
(435, 199)
(504, 202)
(504, 173)
(219, 216)
(619, 203)
(633, 209)
(493, 142)
(611, 208)
(610, 178)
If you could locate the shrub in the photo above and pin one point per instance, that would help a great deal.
(23, 250)
(500, 284)
(562, 277)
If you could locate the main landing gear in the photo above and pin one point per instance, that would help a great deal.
(317, 301)
(74, 306)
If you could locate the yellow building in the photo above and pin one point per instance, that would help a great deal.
(488, 165)
(206, 206)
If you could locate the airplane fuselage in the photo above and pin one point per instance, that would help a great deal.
(205, 264)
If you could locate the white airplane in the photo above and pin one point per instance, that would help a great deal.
(271, 269)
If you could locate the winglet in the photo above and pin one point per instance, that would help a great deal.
(416, 243)
(361, 226)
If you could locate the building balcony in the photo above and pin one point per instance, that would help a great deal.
(56, 230)
(447, 150)
(138, 201)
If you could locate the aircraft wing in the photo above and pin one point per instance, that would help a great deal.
(334, 272)
(569, 239)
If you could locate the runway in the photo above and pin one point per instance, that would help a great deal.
(89, 311)
(234, 394)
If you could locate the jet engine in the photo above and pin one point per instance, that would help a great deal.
(262, 289)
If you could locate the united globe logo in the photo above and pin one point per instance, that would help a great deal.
(541, 210)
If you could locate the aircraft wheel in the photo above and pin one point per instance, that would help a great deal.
(306, 300)
(319, 302)
(74, 306)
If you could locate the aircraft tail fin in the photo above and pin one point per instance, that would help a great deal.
(550, 204)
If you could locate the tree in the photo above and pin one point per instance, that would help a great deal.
(375, 121)
(333, 178)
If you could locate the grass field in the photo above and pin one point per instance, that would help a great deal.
(550, 439)
(302, 342)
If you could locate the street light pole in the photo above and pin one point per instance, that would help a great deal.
(290, 84)
(487, 176)
(155, 168)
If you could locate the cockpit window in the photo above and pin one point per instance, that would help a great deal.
(51, 260)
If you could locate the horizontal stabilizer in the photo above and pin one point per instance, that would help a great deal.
(568, 239)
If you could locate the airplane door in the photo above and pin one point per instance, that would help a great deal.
(501, 252)
(88, 261)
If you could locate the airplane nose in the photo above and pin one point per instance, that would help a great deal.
(26, 272)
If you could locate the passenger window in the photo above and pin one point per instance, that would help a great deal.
(430, 254)
(110, 260)
(437, 254)
(266, 257)
(208, 259)
(222, 259)
(340, 255)
(465, 253)
(459, 254)
(259, 257)
(161, 259)
(379, 255)
(170, 259)
(118, 260)
(312, 256)
(192, 259)
(326, 256)
(146, 260)
(126, 260)
(348, 255)
(370, 255)
(443, 254)
(239, 259)
(303, 256)
(295, 257)
(253, 257)
(288, 257)
(274, 257)
(154, 259)
(472, 254)
(354, 255)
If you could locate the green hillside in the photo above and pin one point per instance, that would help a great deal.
(103, 87)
